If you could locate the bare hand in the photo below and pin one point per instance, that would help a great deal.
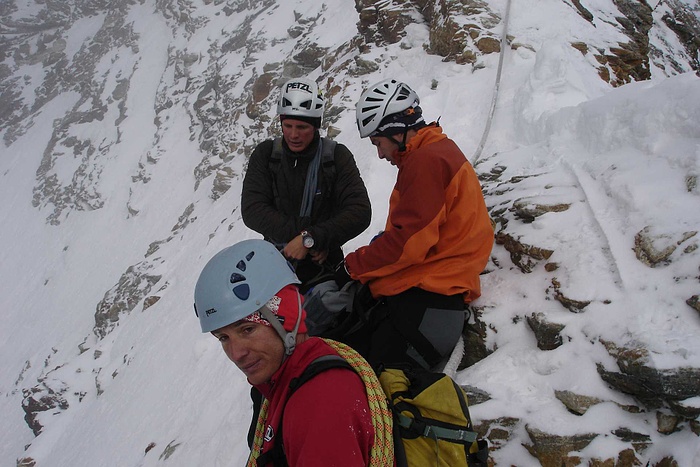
(295, 249)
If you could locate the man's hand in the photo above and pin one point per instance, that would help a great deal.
(319, 257)
(295, 249)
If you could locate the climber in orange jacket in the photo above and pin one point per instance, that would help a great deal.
(437, 239)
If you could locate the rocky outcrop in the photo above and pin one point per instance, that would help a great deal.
(525, 256)
(460, 30)
(576, 403)
(630, 61)
(40, 399)
(528, 210)
(474, 335)
(133, 286)
(383, 23)
(574, 306)
(553, 450)
(686, 26)
(548, 334)
(498, 431)
(655, 249)
(653, 388)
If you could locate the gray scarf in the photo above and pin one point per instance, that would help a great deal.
(307, 201)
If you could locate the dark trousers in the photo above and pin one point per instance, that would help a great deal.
(415, 328)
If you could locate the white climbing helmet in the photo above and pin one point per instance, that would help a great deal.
(301, 97)
(383, 99)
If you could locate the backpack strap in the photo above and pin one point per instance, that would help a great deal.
(417, 426)
(276, 455)
(382, 453)
(274, 164)
(257, 398)
(435, 432)
(328, 161)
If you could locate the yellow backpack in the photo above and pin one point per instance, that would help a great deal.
(431, 418)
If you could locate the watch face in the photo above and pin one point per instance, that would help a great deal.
(308, 241)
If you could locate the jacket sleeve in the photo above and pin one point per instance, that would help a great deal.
(417, 212)
(258, 207)
(327, 422)
(352, 211)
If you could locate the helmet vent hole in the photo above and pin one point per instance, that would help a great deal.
(235, 277)
(241, 265)
(249, 256)
(242, 291)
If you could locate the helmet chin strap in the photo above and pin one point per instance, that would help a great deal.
(288, 338)
(401, 144)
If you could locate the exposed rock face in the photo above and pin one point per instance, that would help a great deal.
(656, 249)
(547, 334)
(474, 335)
(630, 62)
(574, 306)
(528, 211)
(553, 451)
(686, 26)
(460, 30)
(26, 462)
(134, 285)
(383, 23)
(38, 400)
(526, 257)
(576, 403)
(694, 302)
(497, 431)
(652, 387)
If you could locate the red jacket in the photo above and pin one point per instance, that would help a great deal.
(327, 421)
(438, 234)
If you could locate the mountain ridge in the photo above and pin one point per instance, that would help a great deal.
(126, 128)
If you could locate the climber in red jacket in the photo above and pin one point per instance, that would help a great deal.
(247, 297)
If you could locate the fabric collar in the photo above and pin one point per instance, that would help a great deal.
(423, 137)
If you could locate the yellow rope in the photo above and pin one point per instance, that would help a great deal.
(382, 453)
(259, 432)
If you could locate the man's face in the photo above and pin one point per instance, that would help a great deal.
(256, 349)
(297, 134)
(386, 148)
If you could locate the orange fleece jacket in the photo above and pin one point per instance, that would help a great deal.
(438, 234)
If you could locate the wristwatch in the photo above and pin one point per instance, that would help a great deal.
(307, 240)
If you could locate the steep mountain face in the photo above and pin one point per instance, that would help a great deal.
(126, 126)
